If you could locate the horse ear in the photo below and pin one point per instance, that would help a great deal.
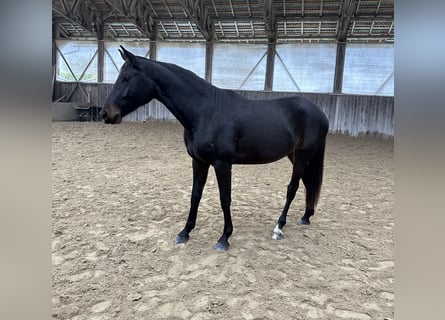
(127, 55)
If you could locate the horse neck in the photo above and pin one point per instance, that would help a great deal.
(182, 92)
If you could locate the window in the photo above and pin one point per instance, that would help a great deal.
(188, 55)
(76, 61)
(369, 69)
(304, 67)
(241, 66)
(113, 60)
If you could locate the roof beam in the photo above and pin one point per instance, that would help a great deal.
(248, 9)
(168, 8)
(295, 19)
(152, 8)
(269, 18)
(78, 13)
(135, 12)
(390, 28)
(191, 28)
(214, 8)
(349, 8)
(231, 8)
(68, 18)
(198, 12)
(378, 7)
(358, 6)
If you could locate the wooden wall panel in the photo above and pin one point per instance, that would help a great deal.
(353, 115)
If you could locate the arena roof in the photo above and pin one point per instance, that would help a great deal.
(277, 21)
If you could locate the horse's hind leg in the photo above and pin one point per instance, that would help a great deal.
(312, 179)
(310, 204)
(311, 198)
(200, 172)
(297, 172)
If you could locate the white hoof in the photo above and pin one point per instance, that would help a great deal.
(277, 233)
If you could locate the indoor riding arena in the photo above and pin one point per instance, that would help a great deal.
(121, 193)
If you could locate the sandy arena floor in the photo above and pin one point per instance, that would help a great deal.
(121, 193)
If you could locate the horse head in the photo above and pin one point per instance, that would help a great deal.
(132, 89)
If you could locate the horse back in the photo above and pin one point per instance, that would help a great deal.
(267, 130)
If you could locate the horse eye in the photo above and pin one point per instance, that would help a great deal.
(125, 79)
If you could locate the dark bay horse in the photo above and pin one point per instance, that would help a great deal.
(221, 128)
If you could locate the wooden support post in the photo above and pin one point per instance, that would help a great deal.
(55, 36)
(209, 61)
(270, 63)
(153, 41)
(339, 67)
(348, 10)
(100, 52)
(270, 26)
(152, 54)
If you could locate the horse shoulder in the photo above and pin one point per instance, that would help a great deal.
(210, 142)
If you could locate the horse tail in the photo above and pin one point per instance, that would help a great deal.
(313, 176)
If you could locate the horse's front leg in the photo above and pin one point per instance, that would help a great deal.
(200, 171)
(224, 177)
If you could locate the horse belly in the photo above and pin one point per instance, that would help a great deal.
(258, 149)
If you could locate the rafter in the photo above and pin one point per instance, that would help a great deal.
(214, 8)
(136, 13)
(198, 12)
(152, 8)
(168, 8)
(390, 28)
(378, 7)
(191, 29)
(358, 7)
(177, 29)
(248, 8)
(325, 19)
(231, 8)
(78, 13)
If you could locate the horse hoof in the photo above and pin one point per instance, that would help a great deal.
(221, 246)
(277, 233)
(277, 236)
(302, 221)
(181, 239)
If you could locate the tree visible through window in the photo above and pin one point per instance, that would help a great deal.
(76, 61)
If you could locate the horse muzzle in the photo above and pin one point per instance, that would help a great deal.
(111, 116)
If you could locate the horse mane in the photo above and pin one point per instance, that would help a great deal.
(189, 77)
(183, 73)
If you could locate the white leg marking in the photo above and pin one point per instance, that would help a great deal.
(277, 233)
